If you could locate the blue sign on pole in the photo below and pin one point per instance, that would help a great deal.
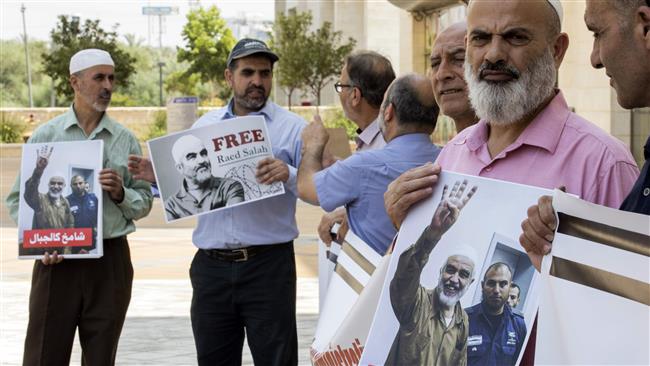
(183, 100)
(159, 10)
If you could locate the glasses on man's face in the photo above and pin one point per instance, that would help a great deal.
(339, 87)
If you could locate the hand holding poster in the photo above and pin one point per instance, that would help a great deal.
(209, 168)
(61, 200)
(452, 271)
(595, 298)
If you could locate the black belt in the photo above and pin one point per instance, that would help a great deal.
(241, 254)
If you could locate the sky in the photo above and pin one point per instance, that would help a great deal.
(41, 16)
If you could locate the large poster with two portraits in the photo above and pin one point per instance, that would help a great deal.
(213, 167)
(60, 206)
(459, 287)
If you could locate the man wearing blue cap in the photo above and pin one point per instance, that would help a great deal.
(94, 294)
(244, 273)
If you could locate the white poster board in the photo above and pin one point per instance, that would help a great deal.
(60, 205)
(486, 230)
(213, 167)
(595, 302)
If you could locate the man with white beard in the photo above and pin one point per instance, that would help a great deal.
(527, 133)
(433, 326)
(51, 209)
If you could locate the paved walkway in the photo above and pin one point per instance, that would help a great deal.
(157, 330)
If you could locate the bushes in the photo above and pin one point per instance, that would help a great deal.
(11, 130)
(337, 119)
(159, 126)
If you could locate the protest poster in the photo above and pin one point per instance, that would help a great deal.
(354, 267)
(327, 257)
(213, 167)
(60, 200)
(455, 259)
(595, 297)
(346, 345)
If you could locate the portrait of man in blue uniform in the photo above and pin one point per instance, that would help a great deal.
(496, 332)
(83, 206)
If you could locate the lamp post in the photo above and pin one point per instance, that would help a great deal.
(160, 82)
(29, 70)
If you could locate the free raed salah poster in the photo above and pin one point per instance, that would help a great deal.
(213, 167)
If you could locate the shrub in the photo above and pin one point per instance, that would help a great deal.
(337, 119)
(11, 130)
(159, 126)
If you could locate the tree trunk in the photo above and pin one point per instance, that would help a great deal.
(318, 91)
(289, 97)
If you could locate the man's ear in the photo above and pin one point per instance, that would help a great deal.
(389, 113)
(74, 82)
(642, 24)
(560, 46)
(179, 167)
(228, 75)
(356, 96)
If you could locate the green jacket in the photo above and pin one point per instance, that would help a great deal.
(423, 337)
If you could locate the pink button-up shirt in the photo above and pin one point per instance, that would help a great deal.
(558, 148)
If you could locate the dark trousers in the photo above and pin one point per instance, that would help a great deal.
(91, 294)
(258, 296)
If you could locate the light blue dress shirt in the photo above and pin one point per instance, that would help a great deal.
(359, 183)
(268, 221)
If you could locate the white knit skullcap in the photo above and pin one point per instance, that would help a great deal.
(466, 251)
(182, 144)
(87, 58)
(557, 6)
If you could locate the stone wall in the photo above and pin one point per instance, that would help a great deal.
(137, 119)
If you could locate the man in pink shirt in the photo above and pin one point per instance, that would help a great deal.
(526, 134)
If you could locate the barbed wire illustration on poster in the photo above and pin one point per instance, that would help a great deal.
(245, 174)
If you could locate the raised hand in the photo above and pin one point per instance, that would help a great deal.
(43, 157)
(451, 203)
(315, 135)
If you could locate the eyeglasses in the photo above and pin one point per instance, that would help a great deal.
(339, 87)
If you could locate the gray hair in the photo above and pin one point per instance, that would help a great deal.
(409, 106)
(372, 73)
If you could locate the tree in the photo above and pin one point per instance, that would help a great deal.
(289, 41)
(208, 43)
(13, 74)
(69, 37)
(325, 58)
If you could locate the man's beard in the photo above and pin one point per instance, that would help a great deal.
(54, 195)
(250, 103)
(507, 102)
(96, 104)
(203, 174)
(447, 300)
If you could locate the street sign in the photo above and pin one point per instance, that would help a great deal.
(177, 100)
(159, 10)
